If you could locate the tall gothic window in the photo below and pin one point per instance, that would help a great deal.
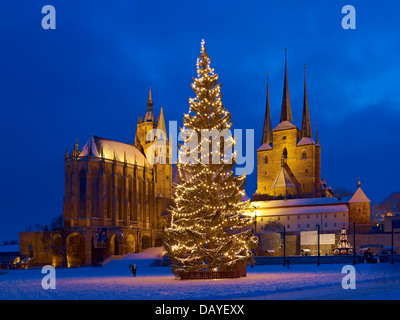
(266, 159)
(95, 196)
(82, 193)
(284, 153)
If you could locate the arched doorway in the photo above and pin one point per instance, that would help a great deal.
(130, 244)
(58, 251)
(76, 250)
(114, 245)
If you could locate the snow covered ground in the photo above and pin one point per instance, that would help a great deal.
(114, 281)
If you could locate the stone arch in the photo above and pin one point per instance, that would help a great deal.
(130, 244)
(57, 259)
(76, 250)
(114, 245)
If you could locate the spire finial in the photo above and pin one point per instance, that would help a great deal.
(75, 151)
(286, 112)
(359, 183)
(150, 100)
(306, 131)
(267, 130)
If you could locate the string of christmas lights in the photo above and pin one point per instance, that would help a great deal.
(208, 230)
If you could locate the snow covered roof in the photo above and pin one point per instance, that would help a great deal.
(284, 125)
(302, 202)
(306, 209)
(359, 196)
(305, 141)
(265, 146)
(121, 150)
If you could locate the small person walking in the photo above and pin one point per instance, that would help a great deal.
(133, 270)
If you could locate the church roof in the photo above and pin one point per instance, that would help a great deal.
(297, 210)
(284, 125)
(303, 202)
(265, 146)
(303, 206)
(97, 146)
(359, 196)
(283, 180)
(305, 141)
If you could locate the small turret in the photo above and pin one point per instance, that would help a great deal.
(75, 152)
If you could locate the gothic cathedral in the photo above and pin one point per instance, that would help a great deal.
(115, 199)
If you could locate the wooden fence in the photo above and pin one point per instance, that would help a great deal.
(197, 275)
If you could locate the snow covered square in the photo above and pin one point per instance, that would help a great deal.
(114, 281)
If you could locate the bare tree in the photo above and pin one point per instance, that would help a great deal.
(390, 204)
(273, 226)
(378, 212)
(54, 240)
(393, 202)
(343, 192)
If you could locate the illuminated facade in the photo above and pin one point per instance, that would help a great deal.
(116, 198)
(290, 191)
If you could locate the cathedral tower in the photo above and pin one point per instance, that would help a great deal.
(288, 161)
(156, 146)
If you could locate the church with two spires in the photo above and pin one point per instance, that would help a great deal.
(290, 190)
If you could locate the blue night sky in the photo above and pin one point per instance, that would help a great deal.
(92, 74)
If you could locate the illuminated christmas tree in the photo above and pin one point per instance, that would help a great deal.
(208, 230)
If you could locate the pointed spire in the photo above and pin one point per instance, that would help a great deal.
(286, 112)
(358, 183)
(305, 123)
(75, 151)
(317, 137)
(161, 123)
(150, 101)
(267, 131)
